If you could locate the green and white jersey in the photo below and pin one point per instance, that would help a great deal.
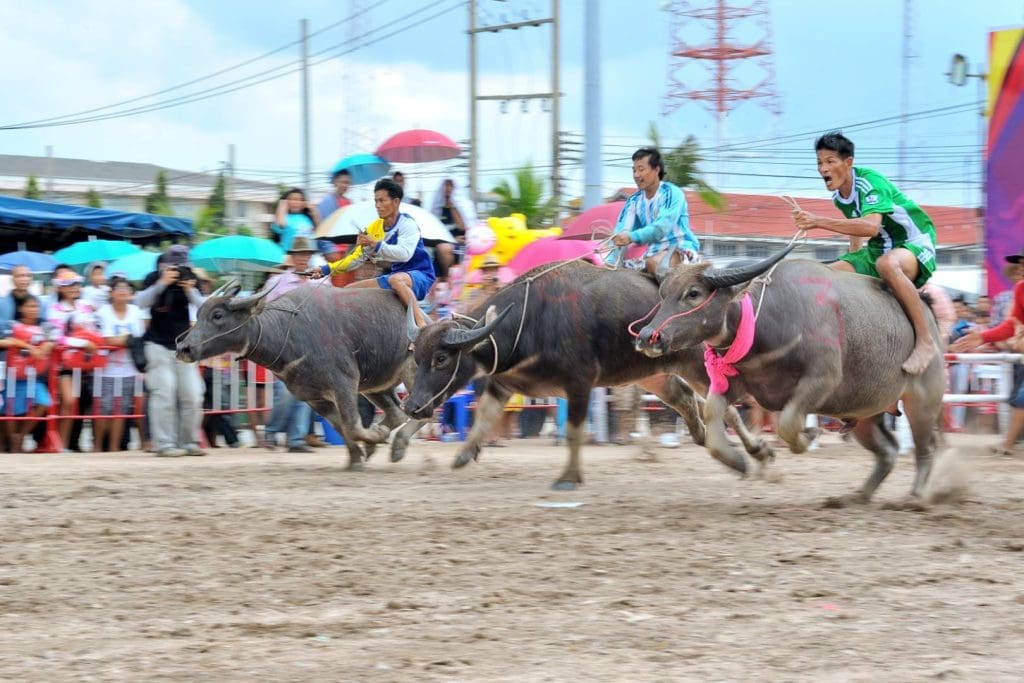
(904, 224)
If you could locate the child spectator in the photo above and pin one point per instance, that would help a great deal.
(34, 344)
(119, 321)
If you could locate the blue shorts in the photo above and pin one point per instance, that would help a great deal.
(41, 397)
(421, 282)
(1017, 394)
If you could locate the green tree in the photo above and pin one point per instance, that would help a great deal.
(32, 188)
(682, 167)
(526, 198)
(93, 199)
(217, 203)
(157, 201)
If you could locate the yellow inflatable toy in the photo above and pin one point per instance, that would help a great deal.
(355, 256)
(512, 235)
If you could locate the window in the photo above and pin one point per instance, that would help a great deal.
(757, 250)
(969, 258)
(724, 249)
(825, 253)
(944, 258)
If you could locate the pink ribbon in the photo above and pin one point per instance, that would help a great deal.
(721, 368)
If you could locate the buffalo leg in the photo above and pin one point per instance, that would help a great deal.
(579, 403)
(488, 411)
(715, 408)
(345, 425)
(793, 418)
(922, 414)
(394, 417)
(680, 397)
(876, 437)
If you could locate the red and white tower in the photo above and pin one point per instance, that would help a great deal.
(732, 41)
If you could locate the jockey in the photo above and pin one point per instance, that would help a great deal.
(656, 215)
(901, 244)
(411, 273)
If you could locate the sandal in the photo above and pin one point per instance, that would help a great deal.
(999, 450)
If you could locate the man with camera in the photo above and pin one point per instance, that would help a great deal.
(175, 388)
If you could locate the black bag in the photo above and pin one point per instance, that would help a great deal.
(137, 349)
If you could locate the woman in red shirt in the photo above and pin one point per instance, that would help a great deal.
(1011, 329)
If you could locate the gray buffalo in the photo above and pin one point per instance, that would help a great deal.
(560, 331)
(327, 344)
(824, 342)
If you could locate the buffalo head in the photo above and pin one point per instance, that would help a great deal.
(221, 324)
(444, 359)
(694, 303)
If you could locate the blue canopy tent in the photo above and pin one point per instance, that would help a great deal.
(44, 226)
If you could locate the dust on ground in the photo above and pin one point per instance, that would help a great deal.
(249, 565)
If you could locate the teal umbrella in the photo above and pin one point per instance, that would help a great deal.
(364, 168)
(236, 253)
(134, 266)
(81, 254)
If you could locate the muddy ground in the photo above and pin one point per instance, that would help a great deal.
(249, 565)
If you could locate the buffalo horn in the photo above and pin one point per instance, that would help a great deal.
(249, 301)
(222, 290)
(464, 338)
(719, 278)
(410, 326)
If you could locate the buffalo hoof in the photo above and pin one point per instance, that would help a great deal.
(564, 485)
(369, 449)
(397, 453)
(379, 433)
(354, 467)
(907, 504)
(763, 453)
(839, 502)
(464, 458)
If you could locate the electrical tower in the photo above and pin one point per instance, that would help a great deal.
(721, 37)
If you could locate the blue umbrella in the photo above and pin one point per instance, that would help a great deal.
(134, 266)
(36, 262)
(365, 168)
(82, 254)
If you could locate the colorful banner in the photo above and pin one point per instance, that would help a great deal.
(1004, 204)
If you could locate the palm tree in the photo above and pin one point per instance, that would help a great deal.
(681, 168)
(527, 198)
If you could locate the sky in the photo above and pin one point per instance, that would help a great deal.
(403, 64)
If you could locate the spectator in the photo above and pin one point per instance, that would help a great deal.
(289, 414)
(294, 218)
(399, 178)
(175, 388)
(21, 277)
(119, 321)
(68, 314)
(457, 215)
(342, 181)
(30, 338)
(217, 369)
(1003, 303)
(96, 292)
(942, 308)
(1010, 330)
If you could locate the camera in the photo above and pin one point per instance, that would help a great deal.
(184, 273)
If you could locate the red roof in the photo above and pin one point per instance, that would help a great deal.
(758, 215)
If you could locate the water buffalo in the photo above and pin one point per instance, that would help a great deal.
(561, 331)
(327, 345)
(824, 342)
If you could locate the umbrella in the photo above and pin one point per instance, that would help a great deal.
(355, 217)
(549, 250)
(596, 222)
(365, 168)
(36, 262)
(418, 145)
(134, 266)
(236, 253)
(82, 254)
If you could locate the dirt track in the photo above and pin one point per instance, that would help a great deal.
(248, 565)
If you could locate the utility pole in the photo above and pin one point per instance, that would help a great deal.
(49, 173)
(304, 38)
(551, 96)
(592, 194)
(908, 13)
(230, 211)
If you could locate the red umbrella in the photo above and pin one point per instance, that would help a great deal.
(595, 223)
(418, 145)
(549, 250)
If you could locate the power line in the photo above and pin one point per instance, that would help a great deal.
(245, 82)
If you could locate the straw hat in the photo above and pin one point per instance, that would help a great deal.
(490, 261)
(302, 245)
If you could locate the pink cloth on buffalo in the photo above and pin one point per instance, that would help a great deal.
(721, 368)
